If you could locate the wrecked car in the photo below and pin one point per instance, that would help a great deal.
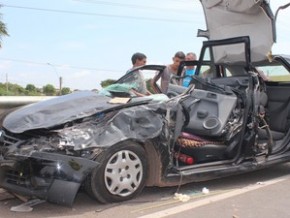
(234, 118)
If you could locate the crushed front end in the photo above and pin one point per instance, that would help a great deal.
(37, 170)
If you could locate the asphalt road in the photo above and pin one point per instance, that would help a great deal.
(263, 193)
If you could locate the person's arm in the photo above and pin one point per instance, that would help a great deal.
(138, 94)
(165, 79)
(153, 82)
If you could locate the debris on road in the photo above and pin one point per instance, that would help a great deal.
(260, 183)
(181, 197)
(5, 195)
(27, 206)
(205, 190)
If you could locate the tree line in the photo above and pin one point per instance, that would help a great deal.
(10, 89)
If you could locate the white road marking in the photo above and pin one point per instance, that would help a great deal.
(199, 203)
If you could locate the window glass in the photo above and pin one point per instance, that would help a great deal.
(205, 71)
(275, 73)
(227, 73)
(206, 56)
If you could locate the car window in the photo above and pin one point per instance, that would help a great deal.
(275, 72)
(206, 56)
(213, 62)
(206, 71)
(148, 76)
(136, 80)
(227, 73)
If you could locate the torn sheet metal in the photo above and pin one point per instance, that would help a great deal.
(50, 176)
(56, 111)
(234, 18)
(102, 130)
(61, 159)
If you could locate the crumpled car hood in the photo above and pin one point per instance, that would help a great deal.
(235, 18)
(56, 111)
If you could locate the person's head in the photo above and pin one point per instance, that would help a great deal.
(190, 56)
(178, 57)
(138, 59)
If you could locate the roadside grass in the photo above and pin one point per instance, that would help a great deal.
(280, 78)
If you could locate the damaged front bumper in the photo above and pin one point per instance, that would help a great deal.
(50, 176)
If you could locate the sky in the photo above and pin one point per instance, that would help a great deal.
(88, 41)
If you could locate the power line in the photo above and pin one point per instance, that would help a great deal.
(143, 7)
(59, 65)
(96, 14)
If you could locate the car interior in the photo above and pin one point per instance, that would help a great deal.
(213, 131)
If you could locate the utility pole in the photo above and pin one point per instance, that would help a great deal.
(7, 88)
(60, 85)
(59, 77)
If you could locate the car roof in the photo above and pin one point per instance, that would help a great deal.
(227, 19)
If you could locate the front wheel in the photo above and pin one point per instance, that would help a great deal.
(121, 174)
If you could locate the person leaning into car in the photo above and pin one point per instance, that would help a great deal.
(168, 74)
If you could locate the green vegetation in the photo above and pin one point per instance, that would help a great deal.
(280, 78)
(107, 82)
(10, 89)
(3, 31)
(65, 91)
(49, 90)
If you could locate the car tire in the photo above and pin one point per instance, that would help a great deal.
(121, 174)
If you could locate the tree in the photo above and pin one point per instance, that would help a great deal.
(10, 89)
(3, 31)
(3, 89)
(49, 90)
(30, 88)
(107, 82)
(15, 88)
(65, 91)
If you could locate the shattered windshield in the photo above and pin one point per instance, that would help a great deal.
(134, 83)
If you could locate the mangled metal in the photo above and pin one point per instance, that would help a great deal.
(234, 18)
(67, 151)
(57, 111)
(49, 149)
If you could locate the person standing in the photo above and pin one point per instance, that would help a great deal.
(138, 59)
(189, 70)
(170, 71)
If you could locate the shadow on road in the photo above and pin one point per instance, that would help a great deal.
(85, 205)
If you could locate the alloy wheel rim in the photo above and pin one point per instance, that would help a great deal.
(123, 173)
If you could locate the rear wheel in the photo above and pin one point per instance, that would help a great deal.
(121, 174)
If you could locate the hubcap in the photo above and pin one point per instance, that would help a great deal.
(123, 173)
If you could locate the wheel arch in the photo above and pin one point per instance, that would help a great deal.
(154, 174)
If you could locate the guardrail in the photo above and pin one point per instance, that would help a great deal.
(8, 102)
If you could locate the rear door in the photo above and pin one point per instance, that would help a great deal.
(278, 90)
